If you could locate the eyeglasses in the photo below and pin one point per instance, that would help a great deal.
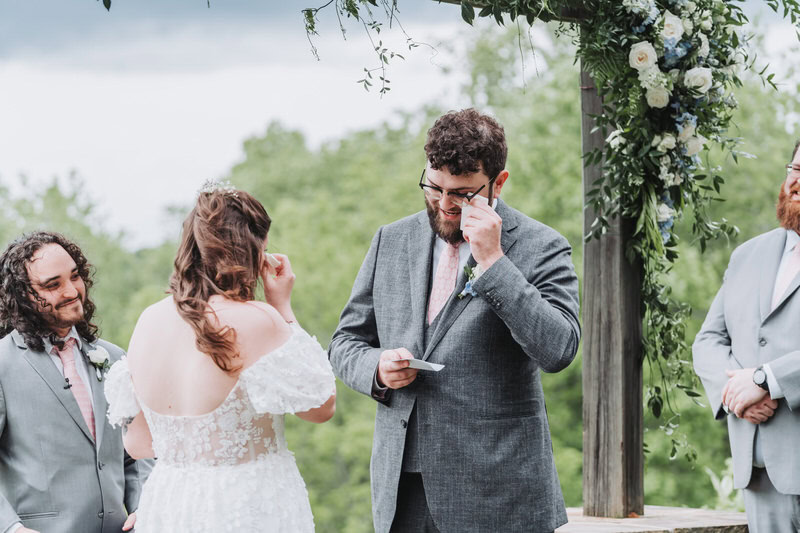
(435, 193)
(792, 170)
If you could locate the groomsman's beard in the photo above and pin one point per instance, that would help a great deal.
(789, 211)
(448, 230)
(65, 315)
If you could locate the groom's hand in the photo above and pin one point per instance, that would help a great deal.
(740, 392)
(393, 371)
(481, 229)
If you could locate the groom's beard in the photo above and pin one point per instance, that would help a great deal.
(448, 230)
(789, 211)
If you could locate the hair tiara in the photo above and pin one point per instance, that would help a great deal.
(212, 186)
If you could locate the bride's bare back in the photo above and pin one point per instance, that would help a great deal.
(173, 377)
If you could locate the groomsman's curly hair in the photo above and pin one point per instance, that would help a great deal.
(18, 298)
(221, 252)
(465, 142)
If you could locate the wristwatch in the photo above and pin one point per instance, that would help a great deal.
(760, 378)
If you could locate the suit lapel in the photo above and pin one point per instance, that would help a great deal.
(43, 366)
(98, 396)
(771, 255)
(419, 254)
(456, 305)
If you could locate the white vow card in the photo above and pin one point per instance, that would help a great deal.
(419, 364)
(466, 208)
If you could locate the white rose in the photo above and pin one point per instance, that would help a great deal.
(688, 26)
(615, 140)
(664, 213)
(695, 144)
(657, 97)
(686, 132)
(98, 356)
(698, 78)
(673, 28)
(706, 25)
(704, 48)
(691, 6)
(642, 56)
(667, 143)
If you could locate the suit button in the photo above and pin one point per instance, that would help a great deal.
(762, 341)
(404, 423)
(100, 514)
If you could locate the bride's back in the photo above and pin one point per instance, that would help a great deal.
(172, 377)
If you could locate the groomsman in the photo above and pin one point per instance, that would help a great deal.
(63, 468)
(748, 358)
(466, 448)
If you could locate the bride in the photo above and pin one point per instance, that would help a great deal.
(209, 375)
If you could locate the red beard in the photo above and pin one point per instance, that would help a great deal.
(789, 211)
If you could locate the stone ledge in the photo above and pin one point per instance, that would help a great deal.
(659, 519)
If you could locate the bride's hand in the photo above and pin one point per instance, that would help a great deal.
(278, 284)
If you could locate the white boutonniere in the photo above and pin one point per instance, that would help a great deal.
(472, 273)
(98, 356)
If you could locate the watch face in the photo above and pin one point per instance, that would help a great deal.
(759, 377)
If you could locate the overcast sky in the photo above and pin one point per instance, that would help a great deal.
(148, 100)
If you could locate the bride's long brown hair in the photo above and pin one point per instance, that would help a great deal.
(220, 253)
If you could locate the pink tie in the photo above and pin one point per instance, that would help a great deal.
(78, 387)
(444, 281)
(790, 270)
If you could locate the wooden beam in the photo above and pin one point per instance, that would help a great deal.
(570, 11)
(613, 458)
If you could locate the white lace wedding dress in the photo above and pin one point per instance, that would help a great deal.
(230, 469)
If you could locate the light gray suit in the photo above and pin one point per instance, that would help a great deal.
(481, 426)
(52, 476)
(742, 331)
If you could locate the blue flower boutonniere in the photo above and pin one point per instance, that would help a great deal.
(472, 273)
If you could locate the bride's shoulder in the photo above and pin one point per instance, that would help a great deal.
(259, 327)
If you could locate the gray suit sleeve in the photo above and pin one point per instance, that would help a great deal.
(8, 516)
(355, 347)
(542, 314)
(787, 372)
(712, 355)
(136, 473)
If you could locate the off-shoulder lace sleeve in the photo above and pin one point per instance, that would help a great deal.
(121, 397)
(293, 378)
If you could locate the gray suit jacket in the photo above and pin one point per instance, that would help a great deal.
(483, 435)
(741, 331)
(52, 477)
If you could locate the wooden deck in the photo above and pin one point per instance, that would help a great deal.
(659, 519)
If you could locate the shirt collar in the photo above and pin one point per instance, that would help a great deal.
(48, 346)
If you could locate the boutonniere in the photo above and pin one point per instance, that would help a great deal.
(472, 273)
(98, 356)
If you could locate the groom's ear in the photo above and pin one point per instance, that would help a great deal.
(500, 181)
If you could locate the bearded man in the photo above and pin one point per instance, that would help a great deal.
(63, 468)
(748, 359)
(466, 448)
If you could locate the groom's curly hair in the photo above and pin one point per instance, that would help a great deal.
(19, 302)
(465, 142)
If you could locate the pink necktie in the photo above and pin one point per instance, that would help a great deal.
(78, 387)
(788, 273)
(444, 281)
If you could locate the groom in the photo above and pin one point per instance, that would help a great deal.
(466, 448)
(62, 466)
